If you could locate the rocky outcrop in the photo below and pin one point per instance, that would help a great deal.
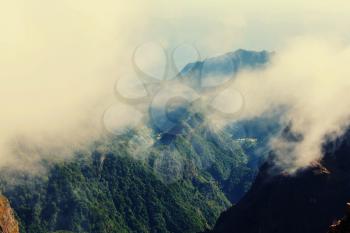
(307, 202)
(343, 225)
(8, 222)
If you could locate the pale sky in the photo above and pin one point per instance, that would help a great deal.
(214, 26)
(251, 24)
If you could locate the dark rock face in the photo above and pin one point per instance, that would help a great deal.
(307, 202)
(343, 225)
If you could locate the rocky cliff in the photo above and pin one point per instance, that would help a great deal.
(8, 223)
(307, 202)
(343, 225)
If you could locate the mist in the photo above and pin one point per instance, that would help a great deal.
(59, 62)
(309, 78)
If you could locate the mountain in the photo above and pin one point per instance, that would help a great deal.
(178, 183)
(145, 180)
(215, 70)
(213, 74)
(309, 201)
(204, 151)
(227, 64)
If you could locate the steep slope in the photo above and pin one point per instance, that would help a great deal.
(200, 150)
(8, 223)
(175, 184)
(229, 156)
(116, 195)
(180, 184)
(343, 225)
(306, 202)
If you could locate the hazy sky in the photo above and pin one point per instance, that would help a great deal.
(251, 24)
(214, 26)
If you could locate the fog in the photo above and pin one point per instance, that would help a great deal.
(59, 61)
(58, 64)
(310, 79)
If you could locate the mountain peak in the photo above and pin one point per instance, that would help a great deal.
(223, 66)
(246, 51)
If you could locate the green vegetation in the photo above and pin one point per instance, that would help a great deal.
(121, 196)
(127, 185)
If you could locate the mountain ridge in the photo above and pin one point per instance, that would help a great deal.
(309, 201)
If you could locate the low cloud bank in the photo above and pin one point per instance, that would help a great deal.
(310, 79)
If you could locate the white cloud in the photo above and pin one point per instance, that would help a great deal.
(59, 59)
(311, 78)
